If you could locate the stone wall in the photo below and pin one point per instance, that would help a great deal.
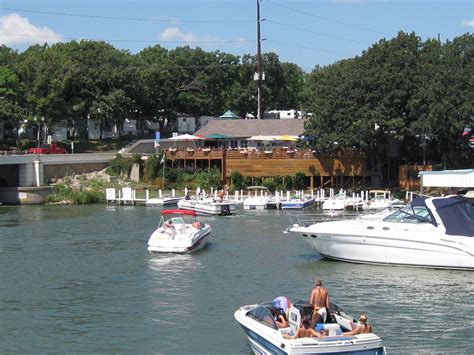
(62, 170)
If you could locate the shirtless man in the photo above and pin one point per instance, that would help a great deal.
(363, 328)
(319, 299)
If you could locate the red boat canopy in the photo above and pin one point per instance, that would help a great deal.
(189, 213)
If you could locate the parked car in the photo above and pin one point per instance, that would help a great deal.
(47, 149)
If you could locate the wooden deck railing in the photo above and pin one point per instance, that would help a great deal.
(203, 153)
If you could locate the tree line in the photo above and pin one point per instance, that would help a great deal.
(402, 100)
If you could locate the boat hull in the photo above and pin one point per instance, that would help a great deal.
(208, 208)
(374, 242)
(180, 247)
(296, 204)
(266, 340)
(165, 201)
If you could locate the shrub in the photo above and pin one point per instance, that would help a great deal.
(120, 165)
(152, 168)
(208, 179)
(238, 181)
(299, 180)
(278, 183)
(288, 183)
(269, 183)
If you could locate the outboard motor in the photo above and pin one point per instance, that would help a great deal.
(225, 211)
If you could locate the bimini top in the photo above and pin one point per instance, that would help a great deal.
(186, 212)
(457, 215)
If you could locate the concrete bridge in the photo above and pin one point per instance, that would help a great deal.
(33, 170)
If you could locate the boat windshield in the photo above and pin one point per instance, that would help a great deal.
(263, 314)
(410, 214)
(178, 220)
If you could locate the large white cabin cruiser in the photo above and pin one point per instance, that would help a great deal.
(177, 234)
(437, 232)
(265, 337)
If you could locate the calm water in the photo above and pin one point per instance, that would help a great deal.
(79, 279)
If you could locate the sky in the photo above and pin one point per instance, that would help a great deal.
(304, 32)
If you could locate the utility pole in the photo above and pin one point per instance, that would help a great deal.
(259, 74)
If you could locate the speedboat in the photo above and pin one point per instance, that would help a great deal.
(380, 200)
(209, 205)
(260, 198)
(297, 202)
(265, 337)
(436, 232)
(177, 234)
(335, 202)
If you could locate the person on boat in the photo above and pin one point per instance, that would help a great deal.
(319, 299)
(281, 321)
(196, 224)
(169, 223)
(280, 318)
(304, 331)
(363, 328)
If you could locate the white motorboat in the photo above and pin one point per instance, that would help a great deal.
(260, 198)
(265, 337)
(436, 232)
(163, 201)
(380, 200)
(298, 201)
(177, 234)
(210, 206)
(336, 202)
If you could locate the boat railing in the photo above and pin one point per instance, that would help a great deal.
(305, 220)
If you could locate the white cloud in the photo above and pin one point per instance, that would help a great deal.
(175, 34)
(467, 23)
(17, 30)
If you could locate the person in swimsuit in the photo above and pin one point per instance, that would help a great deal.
(304, 331)
(363, 328)
(319, 299)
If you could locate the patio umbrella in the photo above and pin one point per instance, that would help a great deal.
(286, 138)
(260, 138)
(185, 137)
(217, 137)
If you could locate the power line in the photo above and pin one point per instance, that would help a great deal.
(309, 48)
(317, 33)
(123, 18)
(125, 40)
(328, 19)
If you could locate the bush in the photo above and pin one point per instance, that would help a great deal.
(288, 183)
(299, 180)
(208, 179)
(120, 165)
(238, 181)
(278, 183)
(152, 168)
(269, 183)
(61, 192)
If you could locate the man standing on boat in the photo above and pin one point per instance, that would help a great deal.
(319, 299)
